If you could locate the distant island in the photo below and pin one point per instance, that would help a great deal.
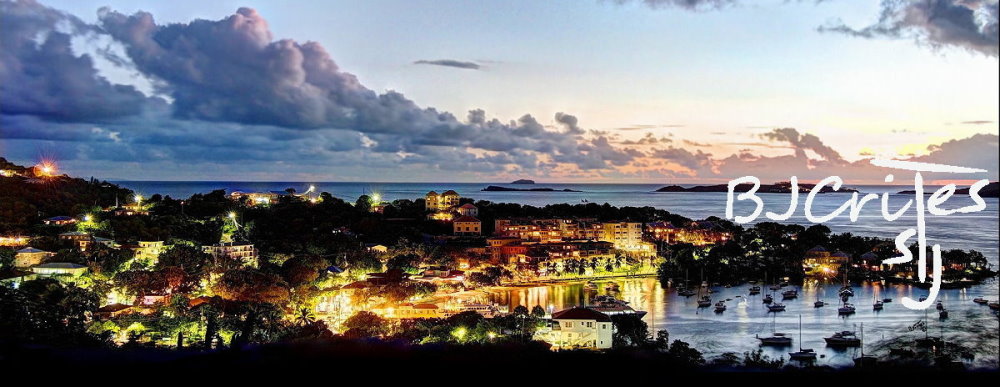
(991, 190)
(494, 188)
(782, 187)
(523, 181)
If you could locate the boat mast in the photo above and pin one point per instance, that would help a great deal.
(800, 333)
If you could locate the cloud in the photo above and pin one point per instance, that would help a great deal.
(803, 142)
(450, 63)
(967, 24)
(40, 75)
(691, 5)
(977, 122)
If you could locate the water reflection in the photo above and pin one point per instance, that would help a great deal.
(969, 324)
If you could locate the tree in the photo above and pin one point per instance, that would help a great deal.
(538, 311)
(190, 259)
(251, 285)
(365, 324)
(630, 330)
(6, 259)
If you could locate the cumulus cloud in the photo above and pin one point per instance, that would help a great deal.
(968, 24)
(804, 142)
(450, 63)
(41, 75)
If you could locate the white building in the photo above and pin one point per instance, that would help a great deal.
(579, 328)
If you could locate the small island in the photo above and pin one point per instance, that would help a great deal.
(991, 190)
(523, 181)
(781, 187)
(494, 188)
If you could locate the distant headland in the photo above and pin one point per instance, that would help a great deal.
(494, 188)
(523, 181)
(781, 187)
(991, 190)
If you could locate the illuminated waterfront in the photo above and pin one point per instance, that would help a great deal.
(970, 324)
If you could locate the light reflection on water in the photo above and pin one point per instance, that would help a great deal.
(969, 324)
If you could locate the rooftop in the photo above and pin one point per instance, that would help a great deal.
(578, 313)
(467, 219)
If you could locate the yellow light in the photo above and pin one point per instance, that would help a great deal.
(459, 333)
(137, 198)
(232, 215)
(376, 198)
(87, 218)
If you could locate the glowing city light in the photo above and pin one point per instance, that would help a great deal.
(88, 218)
(232, 215)
(137, 198)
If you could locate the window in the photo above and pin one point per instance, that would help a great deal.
(590, 324)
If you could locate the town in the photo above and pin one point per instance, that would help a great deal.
(88, 261)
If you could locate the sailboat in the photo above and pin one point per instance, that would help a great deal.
(776, 339)
(720, 307)
(704, 301)
(864, 360)
(803, 354)
(877, 305)
(686, 291)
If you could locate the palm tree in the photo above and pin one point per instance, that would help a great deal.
(305, 316)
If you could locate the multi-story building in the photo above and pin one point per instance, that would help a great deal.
(579, 328)
(441, 202)
(80, 239)
(625, 235)
(243, 252)
(467, 225)
(148, 251)
(547, 230)
(467, 209)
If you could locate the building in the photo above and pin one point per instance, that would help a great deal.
(59, 269)
(130, 210)
(256, 198)
(695, 233)
(79, 239)
(59, 221)
(441, 202)
(626, 236)
(243, 252)
(548, 230)
(407, 310)
(148, 251)
(13, 241)
(30, 256)
(467, 209)
(467, 225)
(818, 261)
(579, 328)
(14, 278)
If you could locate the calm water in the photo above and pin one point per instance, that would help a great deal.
(733, 331)
(971, 324)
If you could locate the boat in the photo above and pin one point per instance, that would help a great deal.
(788, 294)
(803, 354)
(775, 287)
(720, 307)
(843, 339)
(940, 306)
(611, 287)
(864, 361)
(776, 307)
(686, 292)
(776, 339)
(846, 309)
(980, 301)
(705, 302)
(846, 291)
(612, 306)
(754, 290)
(886, 300)
(819, 304)
(878, 305)
(922, 299)
(994, 305)
(768, 299)
(943, 314)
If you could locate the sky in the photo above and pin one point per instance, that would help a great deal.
(657, 91)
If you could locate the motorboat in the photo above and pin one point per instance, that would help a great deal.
(788, 294)
(878, 305)
(846, 309)
(720, 307)
(754, 290)
(612, 306)
(775, 340)
(843, 339)
(705, 302)
(943, 314)
(980, 301)
(776, 307)
(940, 306)
(819, 304)
(886, 300)
(768, 299)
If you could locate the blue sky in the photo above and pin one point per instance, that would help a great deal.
(711, 83)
